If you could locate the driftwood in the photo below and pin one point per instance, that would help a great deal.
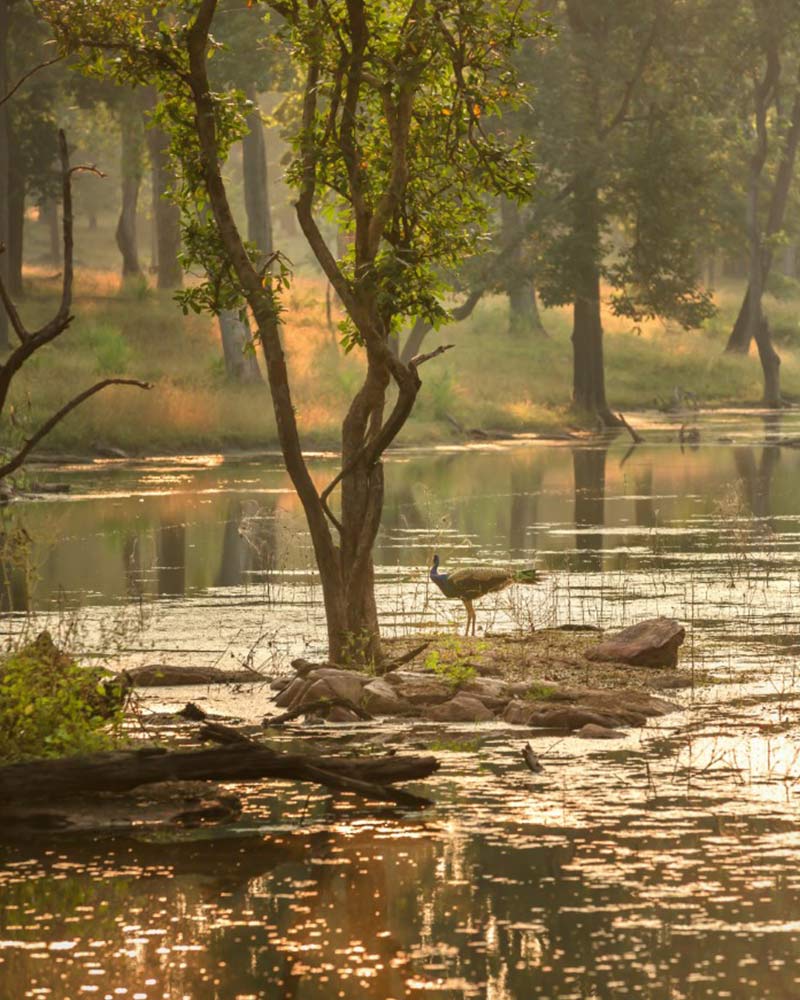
(47, 780)
(531, 759)
(400, 661)
(636, 437)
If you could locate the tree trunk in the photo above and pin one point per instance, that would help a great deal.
(16, 217)
(4, 166)
(240, 359)
(523, 312)
(166, 214)
(770, 365)
(414, 340)
(131, 157)
(48, 216)
(256, 189)
(748, 321)
(588, 373)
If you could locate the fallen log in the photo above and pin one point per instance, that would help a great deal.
(165, 675)
(47, 780)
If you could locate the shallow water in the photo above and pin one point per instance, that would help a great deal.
(662, 866)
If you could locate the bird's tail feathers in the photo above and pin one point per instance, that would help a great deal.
(528, 576)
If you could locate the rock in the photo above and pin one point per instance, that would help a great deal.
(304, 667)
(462, 708)
(291, 692)
(343, 683)
(314, 690)
(280, 684)
(380, 698)
(518, 712)
(341, 714)
(571, 718)
(651, 643)
(495, 694)
(592, 732)
(420, 689)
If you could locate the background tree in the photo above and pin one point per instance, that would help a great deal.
(392, 134)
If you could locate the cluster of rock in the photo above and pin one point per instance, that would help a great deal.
(341, 695)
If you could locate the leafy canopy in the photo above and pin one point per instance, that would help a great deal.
(399, 133)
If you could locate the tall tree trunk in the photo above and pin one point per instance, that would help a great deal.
(748, 320)
(256, 189)
(240, 358)
(16, 217)
(4, 165)
(131, 168)
(588, 373)
(166, 214)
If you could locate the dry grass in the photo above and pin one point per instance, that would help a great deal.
(493, 380)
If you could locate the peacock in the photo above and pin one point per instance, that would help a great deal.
(472, 582)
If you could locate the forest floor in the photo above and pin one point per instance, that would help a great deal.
(494, 380)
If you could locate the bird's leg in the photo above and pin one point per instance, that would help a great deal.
(470, 616)
(466, 608)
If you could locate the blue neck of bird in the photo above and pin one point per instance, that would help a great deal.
(435, 574)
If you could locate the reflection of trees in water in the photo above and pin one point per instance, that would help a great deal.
(248, 543)
(644, 508)
(15, 565)
(171, 559)
(755, 477)
(526, 488)
(589, 467)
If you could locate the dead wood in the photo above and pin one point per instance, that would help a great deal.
(636, 437)
(400, 661)
(49, 780)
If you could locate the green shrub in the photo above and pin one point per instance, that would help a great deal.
(108, 347)
(455, 670)
(51, 706)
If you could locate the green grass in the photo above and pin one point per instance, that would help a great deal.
(492, 380)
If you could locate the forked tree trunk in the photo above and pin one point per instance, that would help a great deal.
(131, 166)
(256, 189)
(166, 214)
(748, 320)
(770, 365)
(588, 371)
(237, 349)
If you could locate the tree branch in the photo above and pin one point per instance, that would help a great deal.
(14, 463)
(26, 76)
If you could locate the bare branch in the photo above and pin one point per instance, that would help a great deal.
(25, 77)
(420, 359)
(14, 463)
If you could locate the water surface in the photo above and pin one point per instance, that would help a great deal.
(663, 866)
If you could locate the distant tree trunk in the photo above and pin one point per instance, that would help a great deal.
(240, 360)
(256, 190)
(131, 166)
(4, 165)
(748, 321)
(16, 216)
(48, 216)
(588, 385)
(166, 215)
(523, 312)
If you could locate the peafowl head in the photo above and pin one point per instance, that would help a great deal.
(435, 567)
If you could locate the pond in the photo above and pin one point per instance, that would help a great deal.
(661, 866)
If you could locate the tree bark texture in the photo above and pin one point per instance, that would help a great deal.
(256, 188)
(240, 360)
(131, 169)
(48, 217)
(166, 214)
